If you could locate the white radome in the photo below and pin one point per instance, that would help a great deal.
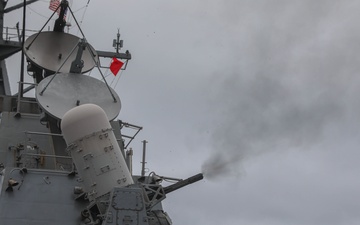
(94, 150)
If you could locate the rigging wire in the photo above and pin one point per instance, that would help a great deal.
(121, 72)
(83, 15)
(39, 14)
(36, 12)
(70, 17)
(116, 78)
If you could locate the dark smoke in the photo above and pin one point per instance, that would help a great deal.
(265, 115)
(219, 165)
(289, 81)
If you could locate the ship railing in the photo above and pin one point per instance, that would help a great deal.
(19, 100)
(15, 34)
(45, 155)
(42, 155)
(42, 133)
(129, 137)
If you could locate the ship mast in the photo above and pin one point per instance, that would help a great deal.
(2, 7)
(7, 46)
(6, 50)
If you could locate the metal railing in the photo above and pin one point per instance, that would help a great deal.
(19, 100)
(15, 33)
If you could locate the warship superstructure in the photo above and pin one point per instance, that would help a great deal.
(63, 156)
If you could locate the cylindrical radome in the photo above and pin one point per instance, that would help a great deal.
(94, 150)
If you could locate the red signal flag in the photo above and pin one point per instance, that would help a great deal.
(115, 66)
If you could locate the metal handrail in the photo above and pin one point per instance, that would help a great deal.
(15, 33)
(19, 97)
(42, 133)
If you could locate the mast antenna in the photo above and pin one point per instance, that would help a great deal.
(117, 43)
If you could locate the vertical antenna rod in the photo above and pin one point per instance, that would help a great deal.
(143, 158)
(21, 86)
(128, 159)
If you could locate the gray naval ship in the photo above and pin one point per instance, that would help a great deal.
(64, 156)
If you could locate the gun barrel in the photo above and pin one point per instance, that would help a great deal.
(183, 183)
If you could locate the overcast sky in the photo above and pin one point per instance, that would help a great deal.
(262, 96)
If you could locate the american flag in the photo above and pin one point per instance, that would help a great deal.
(54, 4)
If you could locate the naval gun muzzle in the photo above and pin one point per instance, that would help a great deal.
(183, 183)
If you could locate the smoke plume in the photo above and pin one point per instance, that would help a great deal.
(289, 80)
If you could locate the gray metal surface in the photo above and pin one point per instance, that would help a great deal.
(49, 50)
(41, 198)
(67, 90)
(8, 48)
(13, 133)
(127, 206)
